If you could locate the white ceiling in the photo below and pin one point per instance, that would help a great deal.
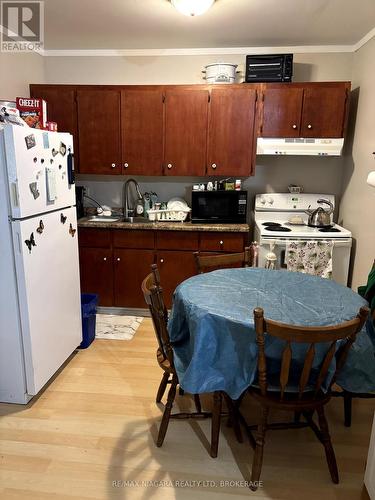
(155, 24)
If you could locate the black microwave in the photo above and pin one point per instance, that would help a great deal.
(219, 207)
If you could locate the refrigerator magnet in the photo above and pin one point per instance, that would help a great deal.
(30, 242)
(30, 141)
(62, 149)
(40, 228)
(34, 189)
(45, 140)
(54, 152)
(72, 231)
(63, 218)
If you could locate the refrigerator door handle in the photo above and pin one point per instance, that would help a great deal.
(71, 176)
(15, 197)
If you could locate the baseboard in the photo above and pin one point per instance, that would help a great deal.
(125, 311)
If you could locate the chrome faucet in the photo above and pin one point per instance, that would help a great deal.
(129, 212)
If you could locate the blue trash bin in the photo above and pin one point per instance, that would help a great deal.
(89, 302)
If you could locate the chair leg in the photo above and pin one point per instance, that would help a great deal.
(197, 402)
(215, 424)
(347, 409)
(258, 454)
(234, 418)
(297, 416)
(167, 412)
(326, 440)
(162, 386)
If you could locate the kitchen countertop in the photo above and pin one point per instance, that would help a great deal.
(165, 226)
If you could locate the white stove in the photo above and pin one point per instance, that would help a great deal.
(275, 216)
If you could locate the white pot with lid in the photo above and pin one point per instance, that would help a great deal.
(220, 73)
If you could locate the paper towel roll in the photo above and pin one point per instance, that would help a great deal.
(371, 178)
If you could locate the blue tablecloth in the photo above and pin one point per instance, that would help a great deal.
(212, 328)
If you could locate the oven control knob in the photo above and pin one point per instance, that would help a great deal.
(263, 201)
(270, 201)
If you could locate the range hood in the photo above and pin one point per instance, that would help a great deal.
(300, 147)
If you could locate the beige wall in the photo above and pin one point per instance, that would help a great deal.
(179, 69)
(17, 71)
(358, 201)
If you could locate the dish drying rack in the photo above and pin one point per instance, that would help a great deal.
(165, 215)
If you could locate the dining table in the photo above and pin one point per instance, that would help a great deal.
(211, 327)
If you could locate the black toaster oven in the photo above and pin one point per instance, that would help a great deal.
(269, 68)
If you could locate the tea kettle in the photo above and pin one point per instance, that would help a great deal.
(320, 217)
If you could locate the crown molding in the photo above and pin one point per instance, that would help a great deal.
(370, 35)
(296, 49)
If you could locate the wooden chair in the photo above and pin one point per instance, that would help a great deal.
(206, 263)
(153, 295)
(348, 396)
(308, 396)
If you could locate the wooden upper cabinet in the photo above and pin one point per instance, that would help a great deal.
(99, 129)
(186, 120)
(61, 108)
(304, 109)
(282, 109)
(324, 110)
(142, 131)
(231, 132)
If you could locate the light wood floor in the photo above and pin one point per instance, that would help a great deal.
(97, 421)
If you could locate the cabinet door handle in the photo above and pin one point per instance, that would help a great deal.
(118, 259)
(161, 261)
(294, 126)
(214, 166)
(221, 243)
(126, 165)
(113, 165)
(309, 126)
(105, 258)
(169, 166)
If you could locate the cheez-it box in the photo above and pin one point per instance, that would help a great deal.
(33, 111)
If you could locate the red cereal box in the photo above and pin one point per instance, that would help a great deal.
(33, 111)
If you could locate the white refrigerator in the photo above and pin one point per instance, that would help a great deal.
(40, 311)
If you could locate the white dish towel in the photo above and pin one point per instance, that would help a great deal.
(310, 257)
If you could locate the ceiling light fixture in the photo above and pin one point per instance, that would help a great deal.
(192, 7)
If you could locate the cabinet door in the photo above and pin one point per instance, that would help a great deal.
(324, 111)
(231, 132)
(130, 269)
(99, 131)
(142, 131)
(186, 118)
(282, 108)
(174, 268)
(97, 273)
(62, 109)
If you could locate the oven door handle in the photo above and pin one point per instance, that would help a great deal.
(336, 242)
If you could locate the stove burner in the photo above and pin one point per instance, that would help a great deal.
(329, 230)
(281, 229)
(271, 224)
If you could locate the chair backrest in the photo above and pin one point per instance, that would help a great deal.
(206, 263)
(292, 334)
(153, 295)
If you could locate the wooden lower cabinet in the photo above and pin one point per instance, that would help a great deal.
(96, 269)
(130, 268)
(174, 267)
(114, 262)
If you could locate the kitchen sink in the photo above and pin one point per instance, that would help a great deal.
(104, 218)
(135, 219)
